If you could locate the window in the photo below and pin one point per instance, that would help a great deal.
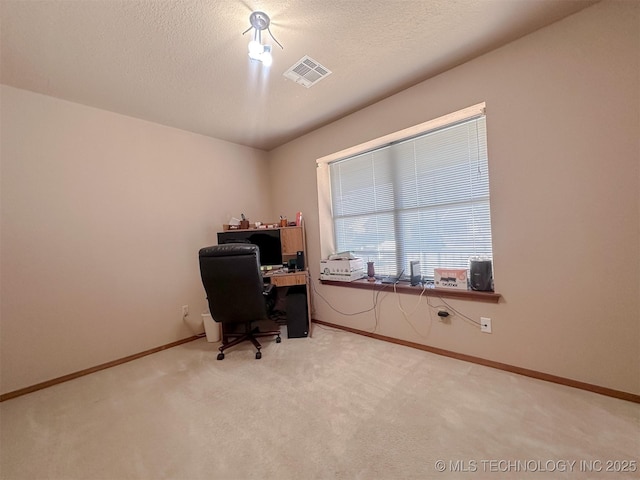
(423, 196)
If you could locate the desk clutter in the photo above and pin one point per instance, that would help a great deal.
(243, 223)
(345, 267)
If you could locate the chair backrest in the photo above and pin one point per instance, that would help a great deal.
(232, 280)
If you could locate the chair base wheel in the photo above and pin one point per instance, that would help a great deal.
(278, 340)
(258, 355)
(221, 356)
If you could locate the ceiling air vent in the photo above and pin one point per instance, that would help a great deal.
(307, 72)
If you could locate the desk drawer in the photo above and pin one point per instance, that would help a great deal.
(288, 280)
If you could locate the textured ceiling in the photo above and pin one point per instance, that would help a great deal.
(184, 63)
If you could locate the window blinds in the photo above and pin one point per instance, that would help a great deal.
(424, 198)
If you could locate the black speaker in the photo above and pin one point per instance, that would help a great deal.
(416, 276)
(296, 309)
(481, 275)
(300, 260)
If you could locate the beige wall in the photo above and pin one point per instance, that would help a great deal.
(563, 120)
(102, 214)
(102, 219)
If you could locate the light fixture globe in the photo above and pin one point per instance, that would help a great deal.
(266, 57)
(255, 48)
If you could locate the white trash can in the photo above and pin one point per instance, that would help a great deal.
(211, 328)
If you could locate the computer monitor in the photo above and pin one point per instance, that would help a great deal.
(267, 240)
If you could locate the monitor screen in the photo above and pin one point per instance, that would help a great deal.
(268, 242)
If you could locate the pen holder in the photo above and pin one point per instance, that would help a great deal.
(244, 224)
(283, 222)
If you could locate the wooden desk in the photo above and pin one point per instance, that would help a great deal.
(281, 279)
(292, 241)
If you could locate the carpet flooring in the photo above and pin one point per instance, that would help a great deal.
(335, 406)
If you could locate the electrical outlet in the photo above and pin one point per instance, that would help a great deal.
(185, 311)
(485, 324)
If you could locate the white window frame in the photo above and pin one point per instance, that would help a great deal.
(327, 234)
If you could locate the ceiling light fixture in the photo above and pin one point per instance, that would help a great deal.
(257, 51)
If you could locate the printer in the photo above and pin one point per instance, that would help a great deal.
(342, 267)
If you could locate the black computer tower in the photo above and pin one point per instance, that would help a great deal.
(296, 308)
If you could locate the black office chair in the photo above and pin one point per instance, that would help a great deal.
(237, 295)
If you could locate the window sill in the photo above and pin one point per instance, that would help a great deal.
(489, 297)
